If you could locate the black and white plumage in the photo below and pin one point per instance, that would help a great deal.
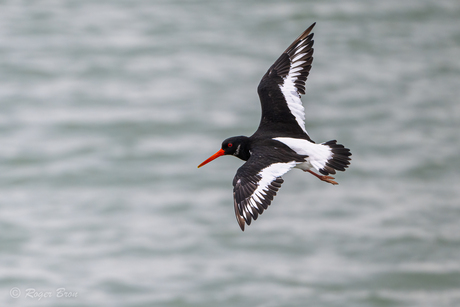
(281, 142)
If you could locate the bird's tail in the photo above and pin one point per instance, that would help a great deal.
(339, 158)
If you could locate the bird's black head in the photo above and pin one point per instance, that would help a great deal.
(237, 146)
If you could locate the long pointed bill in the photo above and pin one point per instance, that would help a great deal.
(221, 152)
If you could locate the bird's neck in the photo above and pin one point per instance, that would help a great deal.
(242, 151)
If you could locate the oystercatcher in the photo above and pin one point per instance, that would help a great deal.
(281, 141)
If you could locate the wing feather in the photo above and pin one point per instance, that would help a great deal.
(254, 188)
(281, 87)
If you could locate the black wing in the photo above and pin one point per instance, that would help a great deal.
(254, 186)
(281, 87)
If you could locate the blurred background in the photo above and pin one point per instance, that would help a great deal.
(107, 108)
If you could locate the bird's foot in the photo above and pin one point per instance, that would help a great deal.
(325, 178)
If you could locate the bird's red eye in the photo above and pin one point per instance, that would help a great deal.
(229, 145)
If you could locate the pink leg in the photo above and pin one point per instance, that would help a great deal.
(324, 177)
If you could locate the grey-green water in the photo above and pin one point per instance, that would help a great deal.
(107, 107)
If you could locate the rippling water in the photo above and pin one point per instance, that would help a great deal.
(107, 107)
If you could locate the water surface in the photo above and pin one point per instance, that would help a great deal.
(107, 107)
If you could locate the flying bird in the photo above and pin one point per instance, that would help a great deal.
(281, 142)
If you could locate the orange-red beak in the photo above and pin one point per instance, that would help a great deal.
(221, 152)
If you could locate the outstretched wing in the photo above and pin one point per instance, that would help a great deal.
(281, 87)
(254, 186)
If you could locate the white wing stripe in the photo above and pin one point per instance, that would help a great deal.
(295, 72)
(257, 197)
(298, 56)
(293, 101)
(253, 204)
(296, 68)
(290, 91)
(270, 173)
(300, 49)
